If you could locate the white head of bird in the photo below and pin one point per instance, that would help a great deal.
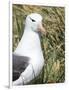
(34, 21)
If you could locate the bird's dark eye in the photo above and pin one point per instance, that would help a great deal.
(32, 20)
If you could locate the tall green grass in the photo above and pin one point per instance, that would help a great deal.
(53, 44)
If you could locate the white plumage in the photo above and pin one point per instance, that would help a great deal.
(30, 46)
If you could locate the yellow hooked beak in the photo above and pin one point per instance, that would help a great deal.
(41, 29)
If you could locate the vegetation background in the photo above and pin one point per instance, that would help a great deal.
(53, 44)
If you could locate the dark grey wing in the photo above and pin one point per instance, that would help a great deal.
(19, 65)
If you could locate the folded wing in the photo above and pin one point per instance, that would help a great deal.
(19, 63)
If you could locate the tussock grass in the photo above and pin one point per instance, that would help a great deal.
(53, 44)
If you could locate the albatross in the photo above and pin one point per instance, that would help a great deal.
(28, 58)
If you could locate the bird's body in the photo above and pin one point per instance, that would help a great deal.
(30, 47)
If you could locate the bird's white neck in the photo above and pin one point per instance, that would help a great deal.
(29, 44)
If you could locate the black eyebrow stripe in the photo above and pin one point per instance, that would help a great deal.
(32, 19)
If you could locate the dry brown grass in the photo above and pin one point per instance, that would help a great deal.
(53, 44)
